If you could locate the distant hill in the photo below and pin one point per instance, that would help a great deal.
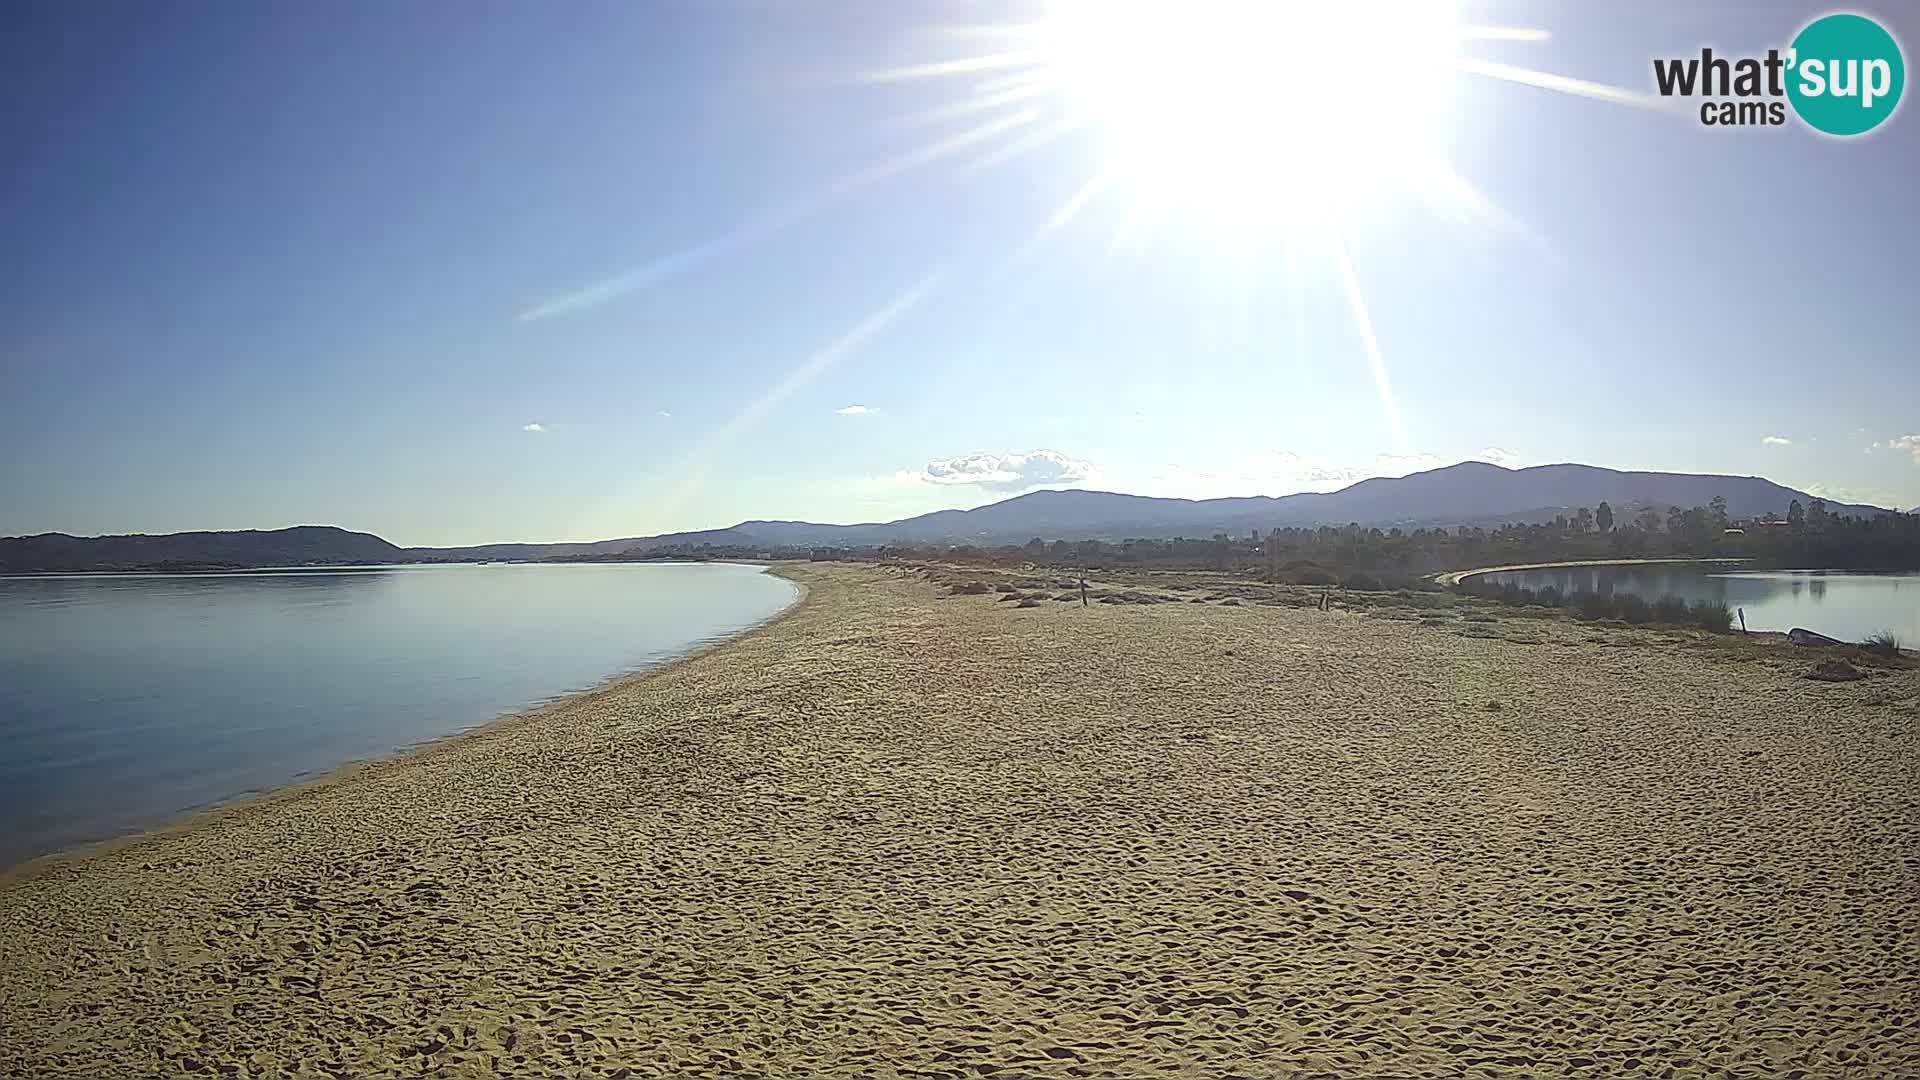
(302, 545)
(582, 549)
(1471, 493)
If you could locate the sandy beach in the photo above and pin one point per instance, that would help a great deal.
(902, 833)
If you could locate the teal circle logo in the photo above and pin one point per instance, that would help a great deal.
(1845, 74)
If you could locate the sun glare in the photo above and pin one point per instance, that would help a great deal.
(1255, 129)
(1252, 111)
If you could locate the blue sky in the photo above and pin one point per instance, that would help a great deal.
(456, 273)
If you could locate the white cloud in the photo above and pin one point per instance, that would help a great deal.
(855, 410)
(1398, 465)
(664, 413)
(534, 427)
(1007, 472)
(1909, 443)
(1775, 440)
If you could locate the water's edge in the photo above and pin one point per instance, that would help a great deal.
(194, 817)
(1456, 577)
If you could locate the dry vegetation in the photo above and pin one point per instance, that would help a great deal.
(1200, 827)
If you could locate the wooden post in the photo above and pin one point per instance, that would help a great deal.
(1743, 619)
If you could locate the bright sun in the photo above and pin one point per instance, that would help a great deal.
(1265, 120)
(1254, 112)
(1258, 116)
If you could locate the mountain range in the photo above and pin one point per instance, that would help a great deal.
(1470, 493)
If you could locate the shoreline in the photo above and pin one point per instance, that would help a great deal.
(194, 817)
(1453, 578)
(897, 832)
(327, 568)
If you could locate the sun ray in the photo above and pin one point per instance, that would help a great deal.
(1183, 107)
(1038, 78)
(1026, 143)
(1442, 185)
(947, 147)
(1564, 84)
(980, 103)
(1296, 302)
(695, 467)
(1059, 219)
(1143, 217)
(1363, 322)
(1077, 201)
(966, 65)
(679, 262)
(835, 351)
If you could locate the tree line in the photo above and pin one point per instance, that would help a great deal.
(1359, 556)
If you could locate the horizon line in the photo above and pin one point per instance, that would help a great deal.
(1038, 489)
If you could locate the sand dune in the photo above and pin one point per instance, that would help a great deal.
(896, 834)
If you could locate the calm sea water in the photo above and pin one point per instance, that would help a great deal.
(127, 699)
(1838, 603)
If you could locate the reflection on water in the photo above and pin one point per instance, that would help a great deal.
(1837, 603)
(126, 698)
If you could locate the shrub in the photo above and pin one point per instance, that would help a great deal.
(1310, 575)
(1886, 643)
(1672, 609)
(1713, 615)
(1592, 605)
(1362, 581)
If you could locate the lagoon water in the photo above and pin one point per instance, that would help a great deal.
(1838, 603)
(127, 699)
